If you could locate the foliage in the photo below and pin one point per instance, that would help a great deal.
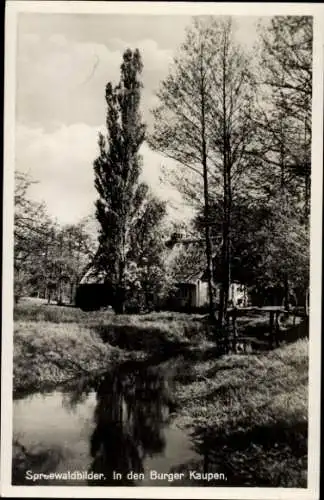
(283, 149)
(70, 253)
(46, 255)
(31, 227)
(287, 61)
(177, 128)
(270, 241)
(285, 121)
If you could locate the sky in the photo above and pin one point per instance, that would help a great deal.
(63, 64)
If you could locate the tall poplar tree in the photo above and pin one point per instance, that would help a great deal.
(122, 197)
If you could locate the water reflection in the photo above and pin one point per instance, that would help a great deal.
(212, 460)
(34, 458)
(132, 409)
(114, 422)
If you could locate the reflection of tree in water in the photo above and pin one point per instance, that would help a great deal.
(212, 460)
(257, 456)
(35, 458)
(132, 408)
(75, 393)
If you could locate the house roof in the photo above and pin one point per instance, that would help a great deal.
(92, 276)
(187, 264)
(190, 277)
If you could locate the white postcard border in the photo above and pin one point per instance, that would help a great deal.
(158, 8)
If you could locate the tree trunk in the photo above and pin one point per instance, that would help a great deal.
(286, 292)
(225, 257)
(207, 235)
(119, 304)
(307, 196)
(307, 303)
(59, 293)
(120, 293)
(206, 199)
(72, 288)
(224, 276)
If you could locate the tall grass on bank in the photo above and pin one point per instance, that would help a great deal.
(53, 343)
(47, 353)
(129, 328)
(249, 416)
(28, 310)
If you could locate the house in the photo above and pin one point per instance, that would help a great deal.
(92, 293)
(188, 262)
(192, 293)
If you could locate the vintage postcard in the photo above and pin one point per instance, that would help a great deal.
(162, 250)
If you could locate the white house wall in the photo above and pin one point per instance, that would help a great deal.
(237, 293)
(202, 294)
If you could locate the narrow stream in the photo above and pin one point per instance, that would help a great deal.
(121, 423)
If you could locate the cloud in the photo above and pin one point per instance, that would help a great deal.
(29, 39)
(61, 161)
(58, 39)
(63, 81)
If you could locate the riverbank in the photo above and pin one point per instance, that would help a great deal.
(246, 414)
(54, 343)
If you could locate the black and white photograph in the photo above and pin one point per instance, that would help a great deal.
(162, 250)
